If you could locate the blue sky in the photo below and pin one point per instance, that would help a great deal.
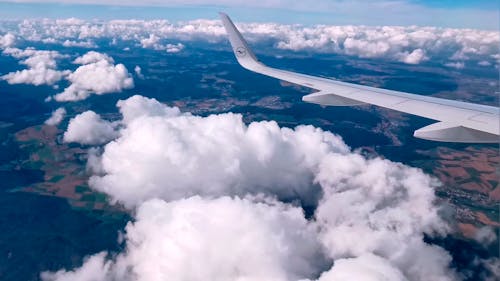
(481, 4)
(482, 14)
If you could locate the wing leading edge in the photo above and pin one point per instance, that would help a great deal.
(458, 121)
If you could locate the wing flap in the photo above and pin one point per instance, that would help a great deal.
(330, 99)
(448, 132)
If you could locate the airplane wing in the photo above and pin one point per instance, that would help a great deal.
(457, 121)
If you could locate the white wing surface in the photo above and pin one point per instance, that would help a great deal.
(457, 121)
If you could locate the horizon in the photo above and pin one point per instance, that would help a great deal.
(460, 15)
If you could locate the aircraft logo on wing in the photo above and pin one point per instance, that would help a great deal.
(241, 51)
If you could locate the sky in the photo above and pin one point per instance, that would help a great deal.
(480, 14)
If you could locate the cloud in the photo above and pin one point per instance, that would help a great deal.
(485, 235)
(174, 48)
(35, 76)
(415, 57)
(82, 44)
(366, 267)
(410, 45)
(374, 206)
(94, 269)
(138, 72)
(7, 40)
(406, 44)
(98, 75)
(229, 156)
(493, 265)
(215, 239)
(139, 106)
(153, 42)
(206, 191)
(90, 129)
(34, 58)
(41, 67)
(457, 65)
(93, 57)
(56, 117)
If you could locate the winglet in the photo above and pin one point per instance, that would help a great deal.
(243, 53)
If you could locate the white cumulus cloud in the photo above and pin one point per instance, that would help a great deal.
(82, 44)
(174, 48)
(214, 239)
(232, 158)
(42, 67)
(94, 269)
(213, 190)
(56, 117)
(415, 57)
(379, 207)
(150, 42)
(89, 128)
(98, 75)
(407, 44)
(153, 42)
(7, 40)
(367, 267)
(138, 72)
(93, 57)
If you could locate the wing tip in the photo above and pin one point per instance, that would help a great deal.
(242, 51)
